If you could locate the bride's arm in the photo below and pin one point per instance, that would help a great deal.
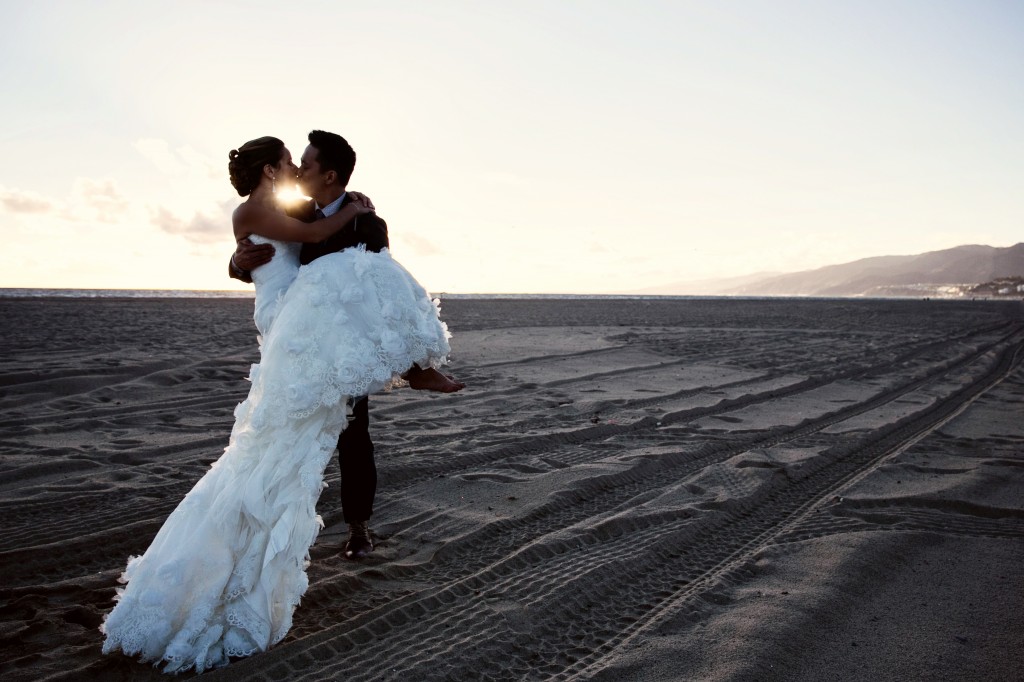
(251, 219)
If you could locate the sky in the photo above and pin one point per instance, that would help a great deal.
(536, 146)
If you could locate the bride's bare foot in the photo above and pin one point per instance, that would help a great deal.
(431, 380)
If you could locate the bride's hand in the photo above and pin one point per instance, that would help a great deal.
(362, 202)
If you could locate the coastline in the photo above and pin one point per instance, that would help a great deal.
(13, 292)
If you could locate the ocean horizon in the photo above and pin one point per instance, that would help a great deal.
(14, 292)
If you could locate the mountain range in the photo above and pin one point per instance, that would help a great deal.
(949, 272)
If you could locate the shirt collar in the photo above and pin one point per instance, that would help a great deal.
(333, 207)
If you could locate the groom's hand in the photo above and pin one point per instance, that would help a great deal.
(247, 257)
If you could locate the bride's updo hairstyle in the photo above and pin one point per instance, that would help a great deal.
(245, 164)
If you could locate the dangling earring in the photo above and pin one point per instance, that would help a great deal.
(273, 185)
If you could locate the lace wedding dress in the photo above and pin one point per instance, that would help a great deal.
(227, 569)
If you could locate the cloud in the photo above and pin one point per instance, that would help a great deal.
(419, 245)
(182, 161)
(201, 163)
(159, 152)
(90, 199)
(101, 199)
(20, 201)
(205, 226)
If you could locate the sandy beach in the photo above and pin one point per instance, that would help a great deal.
(627, 490)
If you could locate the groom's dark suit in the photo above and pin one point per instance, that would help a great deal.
(355, 449)
(366, 229)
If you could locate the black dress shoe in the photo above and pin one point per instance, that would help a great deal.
(359, 543)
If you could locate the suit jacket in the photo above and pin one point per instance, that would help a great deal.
(368, 229)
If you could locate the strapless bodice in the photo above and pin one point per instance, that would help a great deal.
(273, 279)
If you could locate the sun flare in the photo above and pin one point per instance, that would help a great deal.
(290, 196)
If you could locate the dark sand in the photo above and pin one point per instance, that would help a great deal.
(628, 490)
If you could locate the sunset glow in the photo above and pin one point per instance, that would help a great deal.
(542, 147)
(290, 196)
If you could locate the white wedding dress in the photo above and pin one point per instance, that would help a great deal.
(227, 569)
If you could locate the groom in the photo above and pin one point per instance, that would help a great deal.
(324, 172)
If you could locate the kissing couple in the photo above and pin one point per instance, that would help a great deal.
(338, 319)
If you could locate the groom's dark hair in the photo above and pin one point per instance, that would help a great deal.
(334, 153)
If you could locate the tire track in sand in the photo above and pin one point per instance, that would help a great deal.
(525, 601)
(49, 520)
(851, 466)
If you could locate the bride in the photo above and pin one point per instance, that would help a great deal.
(228, 567)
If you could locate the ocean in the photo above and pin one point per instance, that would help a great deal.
(120, 293)
(194, 293)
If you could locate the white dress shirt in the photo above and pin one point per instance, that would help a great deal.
(333, 207)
